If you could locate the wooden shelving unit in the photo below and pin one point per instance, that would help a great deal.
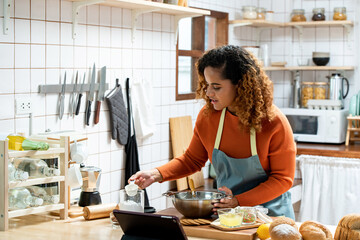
(5, 185)
(137, 8)
(310, 68)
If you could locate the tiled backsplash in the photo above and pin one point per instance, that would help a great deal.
(39, 48)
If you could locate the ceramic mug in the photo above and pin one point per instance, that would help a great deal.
(78, 152)
(74, 177)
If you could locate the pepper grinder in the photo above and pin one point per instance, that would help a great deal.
(296, 88)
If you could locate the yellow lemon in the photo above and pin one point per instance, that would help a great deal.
(263, 231)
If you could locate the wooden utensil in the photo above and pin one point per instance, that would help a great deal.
(192, 188)
(181, 132)
(95, 211)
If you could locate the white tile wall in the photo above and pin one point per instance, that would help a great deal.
(39, 48)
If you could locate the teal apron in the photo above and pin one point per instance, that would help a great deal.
(242, 174)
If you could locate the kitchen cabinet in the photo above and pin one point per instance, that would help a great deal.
(263, 24)
(5, 185)
(137, 8)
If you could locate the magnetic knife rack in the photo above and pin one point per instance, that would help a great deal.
(69, 88)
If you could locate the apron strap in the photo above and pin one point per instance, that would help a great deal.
(220, 129)
(253, 142)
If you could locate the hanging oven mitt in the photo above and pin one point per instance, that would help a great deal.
(118, 115)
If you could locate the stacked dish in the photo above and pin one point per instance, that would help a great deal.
(354, 108)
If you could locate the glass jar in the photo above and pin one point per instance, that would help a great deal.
(320, 90)
(249, 12)
(339, 13)
(249, 215)
(298, 15)
(269, 16)
(307, 92)
(319, 14)
(261, 12)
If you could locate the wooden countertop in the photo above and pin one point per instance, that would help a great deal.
(329, 150)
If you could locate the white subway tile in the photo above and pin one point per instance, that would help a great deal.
(53, 10)
(52, 56)
(7, 81)
(105, 16)
(37, 32)
(67, 56)
(116, 58)
(105, 37)
(126, 19)
(22, 80)
(147, 21)
(7, 110)
(7, 126)
(52, 33)
(66, 34)
(93, 14)
(81, 35)
(37, 56)
(22, 8)
(22, 31)
(22, 56)
(116, 37)
(80, 58)
(66, 11)
(115, 181)
(116, 17)
(156, 22)
(92, 56)
(104, 161)
(40, 103)
(165, 23)
(93, 36)
(105, 57)
(38, 9)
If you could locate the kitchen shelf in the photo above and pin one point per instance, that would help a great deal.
(36, 181)
(320, 24)
(139, 7)
(256, 23)
(5, 185)
(310, 68)
(34, 210)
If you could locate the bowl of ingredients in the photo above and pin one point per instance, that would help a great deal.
(198, 204)
(249, 215)
(230, 218)
(321, 58)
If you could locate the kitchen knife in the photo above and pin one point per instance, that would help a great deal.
(73, 98)
(62, 98)
(78, 100)
(90, 96)
(101, 93)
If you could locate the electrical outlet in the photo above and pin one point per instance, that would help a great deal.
(23, 106)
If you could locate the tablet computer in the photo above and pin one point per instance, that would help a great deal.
(149, 226)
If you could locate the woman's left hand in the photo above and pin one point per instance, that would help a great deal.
(228, 202)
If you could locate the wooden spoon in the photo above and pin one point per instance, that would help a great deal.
(192, 187)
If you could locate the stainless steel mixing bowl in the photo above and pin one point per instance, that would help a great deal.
(198, 206)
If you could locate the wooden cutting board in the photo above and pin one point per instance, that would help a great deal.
(181, 132)
(205, 231)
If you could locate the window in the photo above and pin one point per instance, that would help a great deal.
(197, 35)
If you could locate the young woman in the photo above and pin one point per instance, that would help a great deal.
(247, 139)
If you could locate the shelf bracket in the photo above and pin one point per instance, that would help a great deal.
(301, 35)
(76, 6)
(347, 33)
(177, 19)
(6, 9)
(134, 19)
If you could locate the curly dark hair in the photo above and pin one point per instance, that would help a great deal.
(254, 88)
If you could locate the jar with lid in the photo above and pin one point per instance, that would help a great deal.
(249, 12)
(339, 13)
(298, 15)
(319, 14)
(320, 90)
(307, 92)
(261, 12)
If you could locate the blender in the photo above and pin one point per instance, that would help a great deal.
(89, 191)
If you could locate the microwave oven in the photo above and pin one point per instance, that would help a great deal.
(318, 126)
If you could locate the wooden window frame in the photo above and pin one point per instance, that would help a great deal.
(198, 46)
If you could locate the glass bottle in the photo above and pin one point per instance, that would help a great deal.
(16, 174)
(36, 167)
(307, 92)
(298, 15)
(249, 12)
(261, 13)
(20, 198)
(319, 14)
(339, 14)
(40, 192)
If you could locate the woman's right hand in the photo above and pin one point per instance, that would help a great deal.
(145, 178)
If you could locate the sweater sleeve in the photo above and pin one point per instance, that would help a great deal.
(190, 162)
(281, 156)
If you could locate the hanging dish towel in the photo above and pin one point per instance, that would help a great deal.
(118, 115)
(141, 92)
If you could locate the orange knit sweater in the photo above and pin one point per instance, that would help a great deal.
(275, 147)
